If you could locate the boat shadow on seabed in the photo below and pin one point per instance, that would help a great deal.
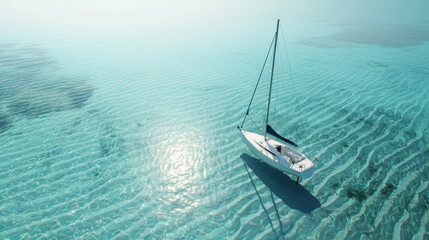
(293, 195)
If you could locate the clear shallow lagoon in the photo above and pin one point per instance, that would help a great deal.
(117, 136)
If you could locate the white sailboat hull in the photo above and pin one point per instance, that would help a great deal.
(278, 155)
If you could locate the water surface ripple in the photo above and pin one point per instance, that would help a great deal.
(132, 139)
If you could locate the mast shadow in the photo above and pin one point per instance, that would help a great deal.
(293, 195)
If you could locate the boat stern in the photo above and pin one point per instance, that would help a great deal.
(307, 173)
(304, 168)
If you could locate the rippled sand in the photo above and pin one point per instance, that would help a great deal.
(136, 139)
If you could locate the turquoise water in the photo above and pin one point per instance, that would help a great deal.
(133, 136)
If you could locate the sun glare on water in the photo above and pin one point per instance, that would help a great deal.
(181, 156)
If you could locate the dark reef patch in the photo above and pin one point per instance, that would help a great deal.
(356, 193)
(377, 64)
(335, 185)
(31, 87)
(379, 34)
(372, 169)
(79, 94)
(387, 189)
(5, 123)
(110, 142)
(20, 107)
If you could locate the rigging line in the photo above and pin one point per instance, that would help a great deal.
(260, 199)
(278, 217)
(279, 75)
(254, 91)
(283, 74)
(255, 125)
(291, 74)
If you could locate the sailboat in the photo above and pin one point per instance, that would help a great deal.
(276, 153)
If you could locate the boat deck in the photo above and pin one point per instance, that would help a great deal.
(286, 159)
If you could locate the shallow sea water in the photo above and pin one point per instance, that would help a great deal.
(129, 137)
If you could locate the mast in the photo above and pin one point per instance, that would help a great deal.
(271, 81)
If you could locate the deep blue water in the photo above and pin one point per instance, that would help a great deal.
(132, 136)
